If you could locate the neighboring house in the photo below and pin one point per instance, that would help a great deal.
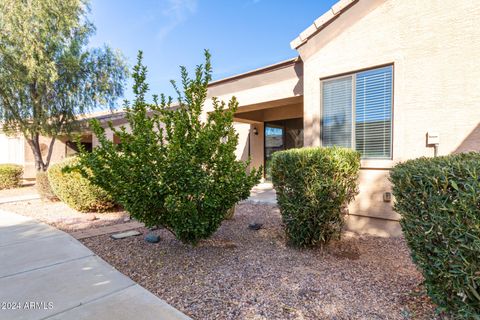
(15, 149)
(373, 75)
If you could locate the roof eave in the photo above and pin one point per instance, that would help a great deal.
(321, 22)
(269, 68)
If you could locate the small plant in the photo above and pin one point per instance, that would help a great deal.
(314, 187)
(172, 168)
(43, 187)
(439, 200)
(10, 176)
(75, 190)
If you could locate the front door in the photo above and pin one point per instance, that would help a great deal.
(281, 135)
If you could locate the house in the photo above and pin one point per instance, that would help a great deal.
(394, 79)
(15, 149)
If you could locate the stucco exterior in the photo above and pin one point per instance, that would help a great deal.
(15, 149)
(433, 47)
(12, 149)
(267, 94)
(62, 148)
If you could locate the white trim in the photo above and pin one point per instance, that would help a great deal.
(321, 22)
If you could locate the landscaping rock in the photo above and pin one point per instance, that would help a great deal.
(125, 234)
(152, 238)
(91, 217)
(255, 226)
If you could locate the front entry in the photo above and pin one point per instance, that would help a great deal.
(281, 135)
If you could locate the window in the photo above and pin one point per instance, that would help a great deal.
(357, 112)
(337, 112)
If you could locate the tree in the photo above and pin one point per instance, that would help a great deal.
(48, 77)
(172, 169)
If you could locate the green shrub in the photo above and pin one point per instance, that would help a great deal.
(75, 190)
(43, 187)
(174, 168)
(439, 200)
(10, 176)
(314, 187)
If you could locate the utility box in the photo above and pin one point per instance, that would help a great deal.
(433, 138)
(387, 197)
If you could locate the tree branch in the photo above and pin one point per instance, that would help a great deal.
(13, 110)
(50, 151)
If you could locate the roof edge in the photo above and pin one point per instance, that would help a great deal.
(322, 21)
(271, 67)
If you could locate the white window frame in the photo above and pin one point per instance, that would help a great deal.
(352, 75)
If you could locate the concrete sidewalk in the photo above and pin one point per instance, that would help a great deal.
(262, 193)
(46, 274)
(26, 197)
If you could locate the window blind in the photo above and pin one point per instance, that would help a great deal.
(337, 112)
(373, 113)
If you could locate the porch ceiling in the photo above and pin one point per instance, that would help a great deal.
(271, 111)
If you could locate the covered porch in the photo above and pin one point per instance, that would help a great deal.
(272, 126)
(270, 112)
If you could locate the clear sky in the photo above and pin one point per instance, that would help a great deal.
(241, 34)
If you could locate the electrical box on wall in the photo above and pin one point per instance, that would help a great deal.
(433, 138)
(387, 197)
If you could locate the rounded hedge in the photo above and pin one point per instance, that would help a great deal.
(10, 176)
(314, 187)
(76, 191)
(439, 200)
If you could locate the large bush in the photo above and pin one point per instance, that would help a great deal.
(75, 190)
(176, 166)
(439, 200)
(10, 176)
(314, 187)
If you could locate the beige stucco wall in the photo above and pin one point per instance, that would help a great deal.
(118, 124)
(272, 94)
(17, 150)
(281, 82)
(12, 149)
(256, 145)
(108, 134)
(434, 47)
(59, 152)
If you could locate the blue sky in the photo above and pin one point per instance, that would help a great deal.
(241, 34)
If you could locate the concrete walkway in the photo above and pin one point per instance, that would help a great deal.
(26, 197)
(25, 193)
(262, 193)
(46, 274)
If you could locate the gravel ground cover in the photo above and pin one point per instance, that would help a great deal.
(25, 190)
(62, 216)
(246, 274)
